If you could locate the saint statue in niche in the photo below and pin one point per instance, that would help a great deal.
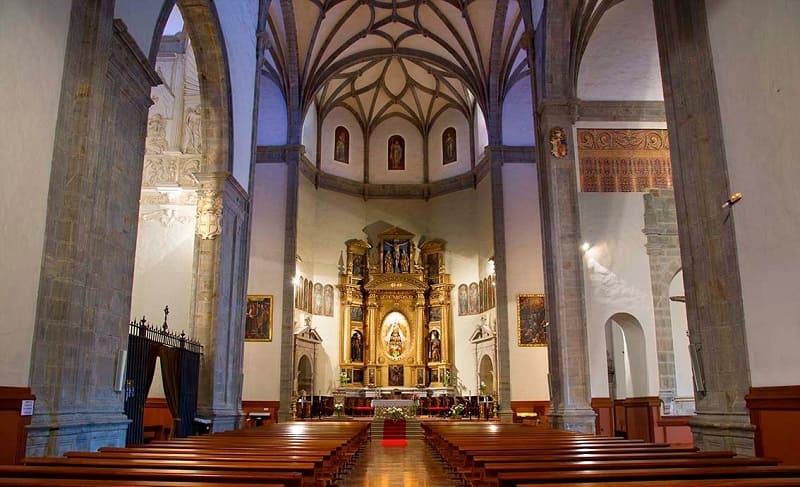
(397, 153)
(356, 348)
(341, 145)
(449, 146)
(395, 341)
(192, 140)
(435, 353)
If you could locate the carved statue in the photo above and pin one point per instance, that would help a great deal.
(193, 121)
(435, 353)
(355, 347)
(156, 142)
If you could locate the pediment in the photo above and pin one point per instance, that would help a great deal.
(396, 282)
(396, 233)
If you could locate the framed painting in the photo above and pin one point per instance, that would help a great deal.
(530, 320)
(258, 319)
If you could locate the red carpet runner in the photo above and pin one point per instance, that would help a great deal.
(394, 432)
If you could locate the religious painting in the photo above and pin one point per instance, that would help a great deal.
(420, 377)
(358, 376)
(530, 320)
(358, 265)
(309, 286)
(258, 319)
(432, 268)
(473, 298)
(341, 145)
(463, 308)
(317, 306)
(397, 153)
(396, 375)
(449, 146)
(327, 300)
(436, 313)
(357, 314)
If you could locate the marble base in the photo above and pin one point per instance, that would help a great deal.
(57, 434)
(578, 420)
(731, 432)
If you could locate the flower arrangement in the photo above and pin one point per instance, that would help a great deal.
(338, 409)
(482, 388)
(457, 410)
(343, 379)
(393, 413)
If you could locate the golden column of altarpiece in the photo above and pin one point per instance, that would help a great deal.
(396, 325)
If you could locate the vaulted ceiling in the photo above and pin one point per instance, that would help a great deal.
(407, 58)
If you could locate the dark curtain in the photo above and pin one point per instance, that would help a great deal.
(190, 374)
(140, 368)
(171, 377)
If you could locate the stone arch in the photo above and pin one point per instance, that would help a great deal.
(202, 24)
(625, 343)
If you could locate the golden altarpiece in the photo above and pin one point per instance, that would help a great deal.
(396, 328)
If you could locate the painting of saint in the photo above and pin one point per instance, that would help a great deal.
(328, 300)
(397, 153)
(258, 319)
(341, 145)
(449, 146)
(463, 308)
(358, 265)
(396, 375)
(436, 313)
(356, 314)
(318, 307)
(531, 320)
(473, 298)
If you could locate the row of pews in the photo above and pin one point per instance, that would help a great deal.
(506, 455)
(286, 454)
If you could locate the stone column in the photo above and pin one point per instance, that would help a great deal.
(568, 352)
(219, 295)
(713, 290)
(501, 288)
(663, 251)
(84, 294)
(293, 158)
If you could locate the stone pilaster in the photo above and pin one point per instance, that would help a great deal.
(568, 352)
(713, 291)
(90, 236)
(221, 254)
(663, 251)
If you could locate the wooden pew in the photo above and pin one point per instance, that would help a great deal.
(163, 475)
(47, 482)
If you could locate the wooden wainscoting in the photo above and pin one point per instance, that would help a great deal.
(260, 407)
(641, 415)
(604, 422)
(13, 431)
(530, 412)
(775, 412)
(158, 424)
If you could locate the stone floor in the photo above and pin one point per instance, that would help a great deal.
(414, 465)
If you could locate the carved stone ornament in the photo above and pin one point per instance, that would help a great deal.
(209, 214)
(156, 141)
(558, 142)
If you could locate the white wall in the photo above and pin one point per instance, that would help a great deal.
(379, 156)
(272, 116)
(437, 170)
(680, 340)
(33, 60)
(621, 58)
(355, 168)
(754, 46)
(309, 136)
(616, 277)
(162, 273)
(481, 135)
(518, 115)
(262, 360)
(524, 267)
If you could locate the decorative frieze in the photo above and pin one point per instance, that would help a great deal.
(614, 160)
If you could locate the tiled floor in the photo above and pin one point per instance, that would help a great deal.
(414, 465)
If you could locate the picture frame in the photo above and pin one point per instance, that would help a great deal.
(258, 318)
(531, 327)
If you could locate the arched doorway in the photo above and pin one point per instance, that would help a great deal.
(305, 376)
(625, 347)
(486, 379)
